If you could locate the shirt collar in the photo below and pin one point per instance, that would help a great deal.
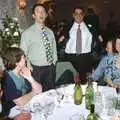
(38, 26)
(76, 24)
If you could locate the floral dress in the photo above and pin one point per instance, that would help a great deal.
(112, 72)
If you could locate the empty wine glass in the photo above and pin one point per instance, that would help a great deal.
(117, 90)
(118, 98)
(60, 96)
(38, 111)
(24, 109)
(98, 104)
(48, 109)
(37, 107)
(109, 104)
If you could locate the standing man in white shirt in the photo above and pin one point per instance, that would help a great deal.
(82, 38)
(38, 44)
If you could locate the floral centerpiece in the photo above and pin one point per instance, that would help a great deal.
(10, 34)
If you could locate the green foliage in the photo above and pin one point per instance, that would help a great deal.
(10, 34)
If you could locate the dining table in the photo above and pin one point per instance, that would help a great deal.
(58, 104)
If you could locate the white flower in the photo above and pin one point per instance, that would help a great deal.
(8, 33)
(14, 45)
(15, 19)
(12, 24)
(11, 32)
(7, 29)
(15, 33)
(18, 24)
(89, 25)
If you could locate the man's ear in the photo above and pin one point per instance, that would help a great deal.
(73, 15)
(46, 15)
(33, 15)
(17, 64)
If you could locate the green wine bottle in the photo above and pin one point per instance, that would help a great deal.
(77, 94)
(89, 94)
(92, 115)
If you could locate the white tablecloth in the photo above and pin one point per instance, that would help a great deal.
(67, 107)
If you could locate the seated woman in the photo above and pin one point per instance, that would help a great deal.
(19, 86)
(105, 61)
(112, 72)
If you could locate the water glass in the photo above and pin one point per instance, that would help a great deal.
(68, 93)
(77, 116)
(48, 109)
(118, 99)
(60, 96)
(47, 106)
(109, 104)
(94, 84)
(24, 109)
(117, 103)
(98, 104)
(37, 108)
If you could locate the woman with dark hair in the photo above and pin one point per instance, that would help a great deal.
(112, 72)
(19, 86)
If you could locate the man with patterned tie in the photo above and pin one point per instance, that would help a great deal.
(38, 43)
(78, 47)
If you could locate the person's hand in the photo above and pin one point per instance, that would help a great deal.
(26, 73)
(116, 117)
(23, 116)
(100, 38)
(61, 39)
(37, 88)
(113, 85)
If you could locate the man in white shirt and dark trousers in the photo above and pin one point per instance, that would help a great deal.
(78, 47)
(38, 44)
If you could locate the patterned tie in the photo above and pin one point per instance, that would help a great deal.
(48, 47)
(78, 41)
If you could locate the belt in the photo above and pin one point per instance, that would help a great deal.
(79, 54)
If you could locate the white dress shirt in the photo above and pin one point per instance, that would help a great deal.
(33, 46)
(86, 39)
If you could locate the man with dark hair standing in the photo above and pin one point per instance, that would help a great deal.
(78, 47)
(38, 43)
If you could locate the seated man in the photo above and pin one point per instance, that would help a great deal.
(99, 71)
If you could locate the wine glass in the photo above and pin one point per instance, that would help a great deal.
(117, 90)
(37, 107)
(48, 109)
(24, 108)
(98, 104)
(109, 103)
(38, 110)
(118, 98)
(60, 95)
